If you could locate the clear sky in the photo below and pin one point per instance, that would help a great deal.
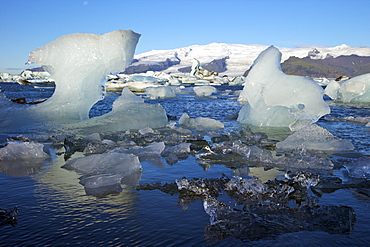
(167, 24)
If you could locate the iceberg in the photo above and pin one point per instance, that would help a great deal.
(359, 168)
(354, 90)
(22, 150)
(78, 63)
(279, 100)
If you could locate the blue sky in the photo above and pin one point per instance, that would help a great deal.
(167, 24)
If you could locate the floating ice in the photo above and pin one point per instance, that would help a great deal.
(161, 92)
(22, 150)
(107, 163)
(78, 63)
(204, 91)
(315, 138)
(200, 123)
(277, 99)
(359, 168)
(354, 90)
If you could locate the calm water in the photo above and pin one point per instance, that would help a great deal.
(54, 209)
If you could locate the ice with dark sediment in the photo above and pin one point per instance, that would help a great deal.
(261, 221)
(314, 138)
(279, 100)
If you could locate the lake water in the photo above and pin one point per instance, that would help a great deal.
(54, 209)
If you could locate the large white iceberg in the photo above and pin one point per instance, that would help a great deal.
(78, 63)
(354, 90)
(279, 100)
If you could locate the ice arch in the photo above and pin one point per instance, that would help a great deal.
(279, 100)
(78, 63)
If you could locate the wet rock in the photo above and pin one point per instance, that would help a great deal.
(8, 216)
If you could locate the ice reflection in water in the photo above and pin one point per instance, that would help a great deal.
(53, 205)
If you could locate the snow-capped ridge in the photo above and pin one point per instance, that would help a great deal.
(239, 57)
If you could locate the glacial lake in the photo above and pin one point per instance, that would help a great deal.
(54, 209)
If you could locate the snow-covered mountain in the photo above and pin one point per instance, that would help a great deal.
(237, 57)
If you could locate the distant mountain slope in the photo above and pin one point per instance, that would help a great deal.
(351, 66)
(228, 59)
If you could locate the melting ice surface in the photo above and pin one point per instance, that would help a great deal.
(78, 63)
(279, 100)
(354, 90)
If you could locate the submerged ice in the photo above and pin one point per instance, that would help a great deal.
(276, 99)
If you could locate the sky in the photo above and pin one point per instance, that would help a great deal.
(168, 24)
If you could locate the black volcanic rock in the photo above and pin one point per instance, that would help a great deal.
(137, 67)
(217, 65)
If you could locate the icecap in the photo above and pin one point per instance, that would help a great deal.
(354, 90)
(315, 138)
(279, 100)
(78, 63)
(200, 123)
(204, 91)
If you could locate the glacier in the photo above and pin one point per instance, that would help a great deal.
(79, 63)
(279, 100)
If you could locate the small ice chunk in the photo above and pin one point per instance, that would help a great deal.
(200, 123)
(146, 130)
(359, 168)
(107, 163)
(22, 150)
(204, 91)
(154, 149)
(97, 181)
(163, 92)
(314, 138)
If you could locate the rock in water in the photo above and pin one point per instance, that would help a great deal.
(277, 99)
